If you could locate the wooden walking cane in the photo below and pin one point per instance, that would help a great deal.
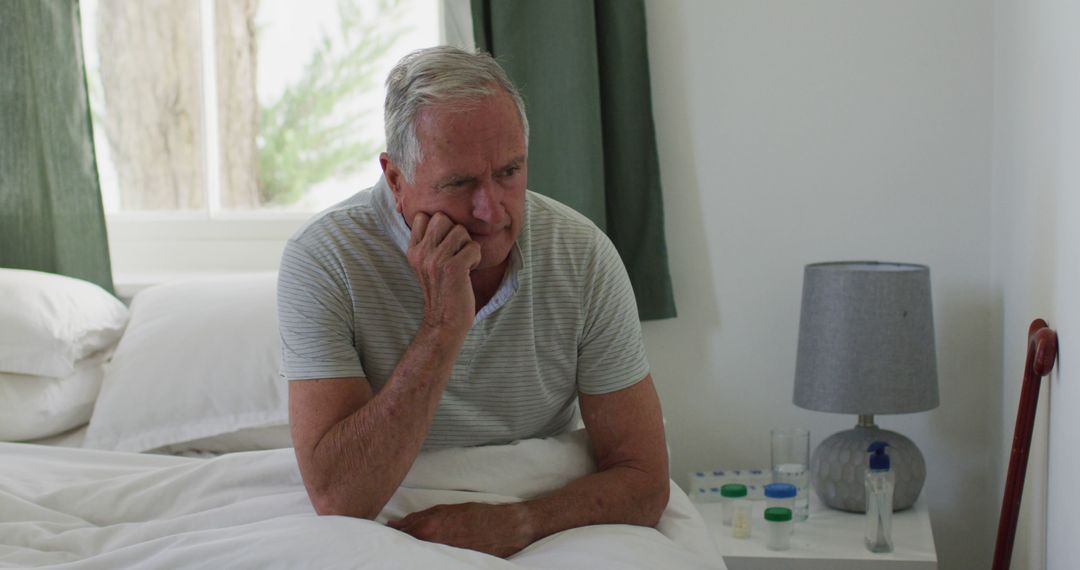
(1041, 354)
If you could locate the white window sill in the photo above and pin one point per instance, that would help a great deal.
(146, 249)
(126, 285)
(177, 227)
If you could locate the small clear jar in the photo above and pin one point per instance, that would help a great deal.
(780, 495)
(778, 520)
(729, 494)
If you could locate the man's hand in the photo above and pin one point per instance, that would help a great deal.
(442, 254)
(499, 530)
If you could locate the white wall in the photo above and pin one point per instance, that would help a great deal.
(1036, 202)
(795, 132)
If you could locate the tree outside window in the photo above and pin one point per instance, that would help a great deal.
(243, 105)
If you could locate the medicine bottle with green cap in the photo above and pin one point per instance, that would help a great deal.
(778, 519)
(729, 494)
(739, 507)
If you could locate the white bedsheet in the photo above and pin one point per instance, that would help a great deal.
(78, 508)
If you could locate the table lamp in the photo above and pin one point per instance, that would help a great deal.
(866, 347)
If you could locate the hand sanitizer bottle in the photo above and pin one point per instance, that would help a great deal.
(880, 482)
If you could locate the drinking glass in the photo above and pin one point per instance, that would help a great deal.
(790, 464)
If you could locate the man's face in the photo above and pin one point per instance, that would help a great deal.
(473, 169)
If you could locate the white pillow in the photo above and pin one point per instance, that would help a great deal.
(49, 322)
(200, 358)
(33, 407)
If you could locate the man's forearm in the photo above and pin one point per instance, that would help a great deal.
(356, 465)
(364, 457)
(618, 495)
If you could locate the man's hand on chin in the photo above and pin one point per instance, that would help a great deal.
(499, 530)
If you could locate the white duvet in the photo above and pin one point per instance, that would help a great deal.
(77, 508)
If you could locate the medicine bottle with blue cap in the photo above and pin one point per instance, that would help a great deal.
(781, 495)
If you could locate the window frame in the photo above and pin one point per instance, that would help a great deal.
(148, 247)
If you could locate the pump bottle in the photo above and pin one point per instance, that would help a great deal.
(880, 482)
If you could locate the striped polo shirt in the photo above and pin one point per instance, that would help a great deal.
(563, 321)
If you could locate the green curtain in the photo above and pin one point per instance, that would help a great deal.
(583, 69)
(51, 217)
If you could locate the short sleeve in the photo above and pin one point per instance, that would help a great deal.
(315, 317)
(611, 352)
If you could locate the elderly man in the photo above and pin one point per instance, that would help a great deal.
(449, 306)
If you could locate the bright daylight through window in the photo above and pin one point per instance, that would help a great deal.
(222, 108)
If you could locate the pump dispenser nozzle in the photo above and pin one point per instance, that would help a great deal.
(879, 461)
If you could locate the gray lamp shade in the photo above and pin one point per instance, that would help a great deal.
(866, 339)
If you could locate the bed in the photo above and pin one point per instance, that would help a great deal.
(155, 436)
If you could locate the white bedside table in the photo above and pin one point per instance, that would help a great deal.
(828, 540)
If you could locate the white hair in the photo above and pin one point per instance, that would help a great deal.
(437, 76)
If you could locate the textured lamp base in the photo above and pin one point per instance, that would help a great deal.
(838, 467)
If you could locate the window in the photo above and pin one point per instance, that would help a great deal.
(225, 109)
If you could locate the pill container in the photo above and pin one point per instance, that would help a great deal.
(729, 494)
(780, 495)
(779, 523)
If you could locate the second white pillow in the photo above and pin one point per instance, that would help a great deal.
(200, 358)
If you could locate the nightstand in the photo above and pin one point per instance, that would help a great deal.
(828, 540)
